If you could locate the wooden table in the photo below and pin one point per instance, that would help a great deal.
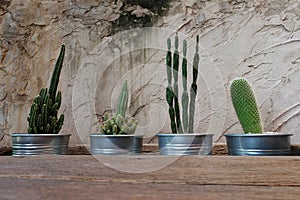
(189, 177)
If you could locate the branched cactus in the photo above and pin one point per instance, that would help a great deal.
(187, 124)
(43, 118)
(245, 106)
(120, 124)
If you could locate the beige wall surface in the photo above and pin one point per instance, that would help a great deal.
(258, 40)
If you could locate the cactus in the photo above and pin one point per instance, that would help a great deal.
(172, 93)
(169, 91)
(43, 118)
(245, 106)
(185, 95)
(123, 100)
(193, 89)
(175, 87)
(120, 124)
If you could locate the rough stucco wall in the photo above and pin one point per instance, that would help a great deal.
(258, 40)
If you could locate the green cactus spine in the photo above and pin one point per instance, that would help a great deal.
(42, 118)
(193, 89)
(245, 106)
(169, 91)
(175, 86)
(120, 124)
(185, 95)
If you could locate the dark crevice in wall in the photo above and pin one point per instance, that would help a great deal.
(4, 4)
(140, 13)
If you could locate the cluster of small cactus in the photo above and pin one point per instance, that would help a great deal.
(43, 118)
(186, 125)
(120, 124)
(245, 106)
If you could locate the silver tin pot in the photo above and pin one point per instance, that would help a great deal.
(38, 144)
(265, 144)
(185, 144)
(137, 146)
(111, 144)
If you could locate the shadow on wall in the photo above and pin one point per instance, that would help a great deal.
(139, 13)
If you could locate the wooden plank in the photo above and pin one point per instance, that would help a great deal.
(189, 177)
(190, 169)
(37, 189)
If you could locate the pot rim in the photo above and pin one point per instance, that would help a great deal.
(183, 134)
(102, 135)
(37, 135)
(264, 134)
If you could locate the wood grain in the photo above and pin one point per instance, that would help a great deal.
(189, 177)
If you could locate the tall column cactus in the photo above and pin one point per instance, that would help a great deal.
(193, 89)
(172, 93)
(169, 91)
(123, 100)
(245, 106)
(120, 124)
(43, 118)
(185, 95)
(175, 87)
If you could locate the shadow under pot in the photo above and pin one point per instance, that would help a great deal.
(185, 144)
(115, 144)
(24, 144)
(265, 144)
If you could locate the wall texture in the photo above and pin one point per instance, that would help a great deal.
(258, 40)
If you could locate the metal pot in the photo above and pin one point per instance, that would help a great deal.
(185, 144)
(137, 146)
(38, 144)
(111, 144)
(265, 144)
